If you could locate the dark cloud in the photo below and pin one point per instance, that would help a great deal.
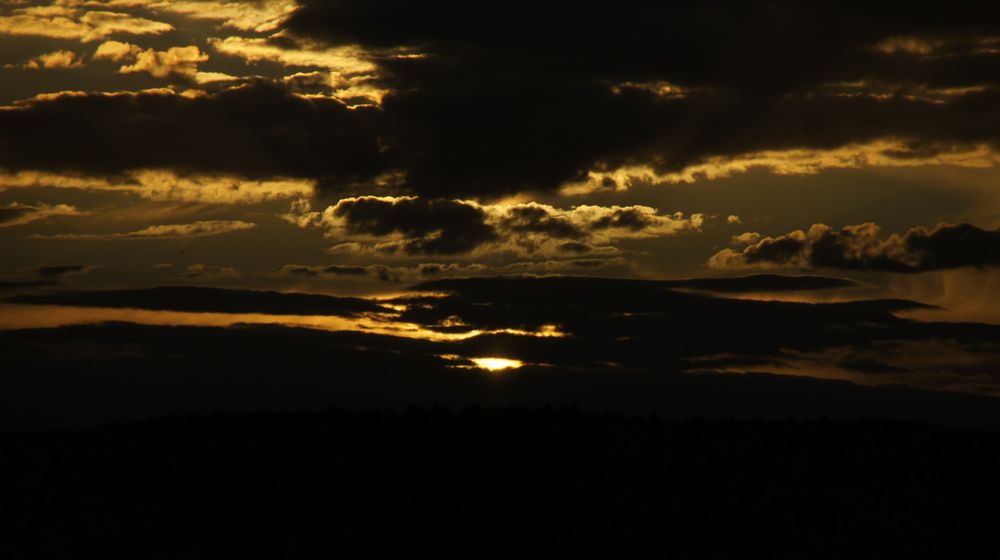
(13, 213)
(204, 299)
(627, 218)
(860, 247)
(694, 43)
(346, 270)
(574, 247)
(538, 219)
(55, 271)
(430, 227)
(415, 225)
(258, 130)
(764, 283)
(623, 344)
(501, 101)
(870, 366)
(499, 88)
(85, 374)
(636, 324)
(424, 271)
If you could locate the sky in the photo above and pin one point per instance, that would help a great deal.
(806, 190)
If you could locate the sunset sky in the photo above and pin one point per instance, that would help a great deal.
(664, 189)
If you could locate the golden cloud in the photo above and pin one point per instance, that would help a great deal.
(260, 16)
(407, 224)
(349, 70)
(206, 228)
(247, 15)
(175, 62)
(15, 214)
(165, 185)
(116, 51)
(800, 161)
(62, 22)
(60, 59)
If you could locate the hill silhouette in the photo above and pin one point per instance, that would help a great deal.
(479, 481)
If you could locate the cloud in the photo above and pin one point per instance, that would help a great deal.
(208, 273)
(658, 326)
(291, 371)
(764, 283)
(540, 228)
(427, 271)
(205, 299)
(61, 22)
(206, 228)
(116, 51)
(458, 107)
(57, 271)
(416, 226)
(350, 73)
(342, 60)
(480, 109)
(609, 330)
(61, 59)
(174, 63)
(166, 185)
(108, 134)
(16, 214)
(261, 15)
(468, 110)
(883, 152)
(409, 225)
(859, 247)
(745, 238)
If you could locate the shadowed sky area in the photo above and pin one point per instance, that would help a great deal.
(368, 203)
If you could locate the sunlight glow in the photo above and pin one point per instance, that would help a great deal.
(495, 364)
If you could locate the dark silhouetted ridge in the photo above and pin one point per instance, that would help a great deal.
(483, 480)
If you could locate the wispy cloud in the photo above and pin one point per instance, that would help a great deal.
(168, 231)
(16, 214)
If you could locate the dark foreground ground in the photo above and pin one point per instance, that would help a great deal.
(485, 480)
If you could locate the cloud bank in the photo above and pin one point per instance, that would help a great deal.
(860, 247)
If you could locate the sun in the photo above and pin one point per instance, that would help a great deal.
(496, 364)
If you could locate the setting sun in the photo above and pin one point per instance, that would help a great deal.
(496, 364)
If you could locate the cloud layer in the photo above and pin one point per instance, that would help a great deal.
(417, 226)
(452, 102)
(860, 247)
(205, 228)
(16, 214)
